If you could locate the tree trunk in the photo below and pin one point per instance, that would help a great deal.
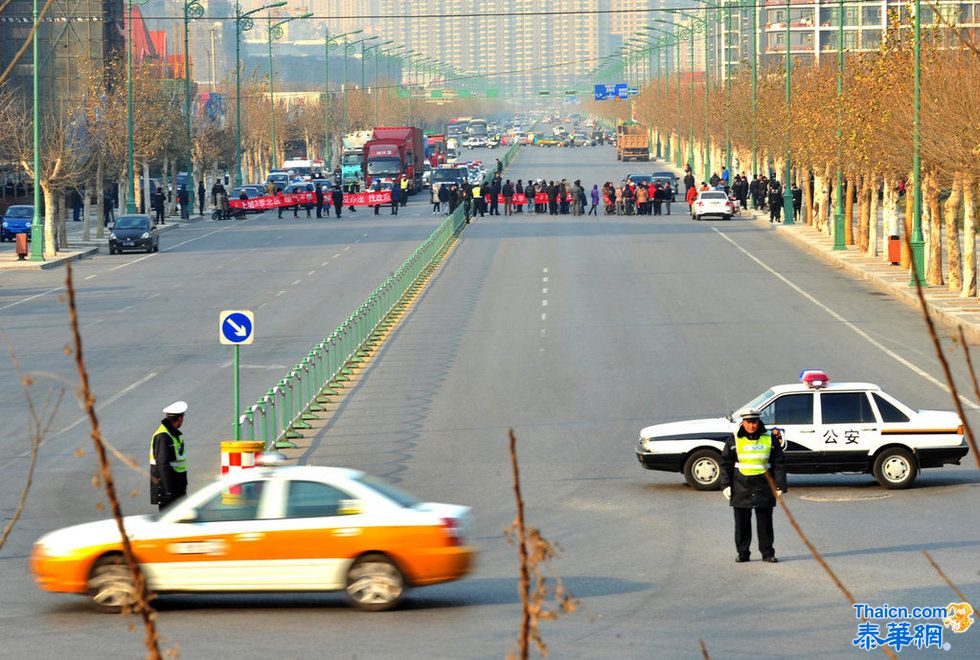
(864, 212)
(62, 210)
(951, 210)
(909, 210)
(849, 210)
(934, 262)
(99, 201)
(873, 233)
(807, 197)
(969, 238)
(123, 193)
(145, 190)
(50, 229)
(86, 215)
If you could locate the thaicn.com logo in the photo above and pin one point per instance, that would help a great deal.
(898, 628)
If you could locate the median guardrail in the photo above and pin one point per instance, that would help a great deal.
(288, 407)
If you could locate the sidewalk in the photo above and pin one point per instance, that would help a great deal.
(77, 248)
(945, 306)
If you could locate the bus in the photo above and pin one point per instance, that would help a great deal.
(456, 127)
(476, 128)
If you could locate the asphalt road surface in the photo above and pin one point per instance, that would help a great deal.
(576, 332)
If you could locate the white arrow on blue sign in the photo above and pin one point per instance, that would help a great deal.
(236, 326)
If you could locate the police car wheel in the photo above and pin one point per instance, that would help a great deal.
(895, 468)
(110, 584)
(702, 470)
(374, 583)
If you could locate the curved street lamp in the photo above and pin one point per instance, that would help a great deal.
(130, 165)
(192, 10)
(275, 33)
(243, 23)
(328, 42)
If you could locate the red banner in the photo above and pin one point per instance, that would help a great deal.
(368, 198)
(542, 198)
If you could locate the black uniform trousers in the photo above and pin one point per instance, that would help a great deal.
(743, 531)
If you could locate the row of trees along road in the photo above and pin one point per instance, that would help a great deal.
(877, 107)
(85, 144)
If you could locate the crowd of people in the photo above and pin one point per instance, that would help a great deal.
(765, 192)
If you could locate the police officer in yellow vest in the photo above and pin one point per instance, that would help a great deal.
(168, 458)
(746, 458)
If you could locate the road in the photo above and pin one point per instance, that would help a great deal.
(576, 332)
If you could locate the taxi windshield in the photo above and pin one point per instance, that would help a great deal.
(399, 497)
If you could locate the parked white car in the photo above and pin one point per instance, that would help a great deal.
(712, 203)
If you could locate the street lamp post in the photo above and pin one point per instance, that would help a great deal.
(755, 86)
(347, 47)
(363, 49)
(727, 73)
(389, 54)
(243, 23)
(132, 182)
(839, 184)
(37, 230)
(917, 241)
(787, 192)
(276, 32)
(328, 41)
(192, 9)
(374, 86)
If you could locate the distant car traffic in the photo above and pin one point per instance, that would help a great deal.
(826, 428)
(712, 203)
(16, 220)
(133, 232)
(280, 179)
(268, 529)
(427, 175)
(442, 176)
(476, 141)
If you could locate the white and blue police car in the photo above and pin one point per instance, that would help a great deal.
(826, 427)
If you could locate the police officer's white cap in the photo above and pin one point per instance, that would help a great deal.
(751, 413)
(176, 408)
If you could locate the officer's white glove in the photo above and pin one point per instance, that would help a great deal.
(779, 493)
(727, 492)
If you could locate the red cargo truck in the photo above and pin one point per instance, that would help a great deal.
(436, 146)
(395, 153)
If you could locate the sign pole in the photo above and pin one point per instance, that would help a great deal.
(238, 421)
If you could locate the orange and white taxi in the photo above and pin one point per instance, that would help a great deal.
(294, 528)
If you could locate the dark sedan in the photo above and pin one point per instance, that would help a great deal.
(134, 232)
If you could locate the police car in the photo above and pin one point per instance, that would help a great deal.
(826, 427)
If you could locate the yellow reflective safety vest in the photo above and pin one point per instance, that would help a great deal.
(753, 455)
(404, 184)
(179, 465)
(476, 191)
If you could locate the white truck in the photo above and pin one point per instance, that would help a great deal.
(353, 155)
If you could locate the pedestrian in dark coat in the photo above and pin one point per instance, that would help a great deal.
(337, 197)
(495, 189)
(318, 196)
(201, 194)
(518, 190)
(797, 201)
(396, 197)
(746, 458)
(775, 204)
(453, 197)
(658, 199)
(443, 197)
(157, 202)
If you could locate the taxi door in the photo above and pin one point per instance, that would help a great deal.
(848, 428)
(793, 414)
(319, 529)
(220, 547)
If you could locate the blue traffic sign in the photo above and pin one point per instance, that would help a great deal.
(622, 90)
(236, 327)
(606, 91)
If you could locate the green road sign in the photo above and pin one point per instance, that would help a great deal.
(465, 93)
(571, 92)
(544, 93)
(436, 93)
(491, 92)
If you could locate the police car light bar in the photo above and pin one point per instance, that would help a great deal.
(814, 378)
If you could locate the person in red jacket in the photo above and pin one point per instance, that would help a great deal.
(692, 194)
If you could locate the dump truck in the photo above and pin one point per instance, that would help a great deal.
(632, 141)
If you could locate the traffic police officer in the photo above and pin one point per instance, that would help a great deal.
(747, 457)
(168, 458)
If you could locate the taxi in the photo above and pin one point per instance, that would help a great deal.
(285, 528)
(826, 428)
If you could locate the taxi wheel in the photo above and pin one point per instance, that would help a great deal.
(895, 468)
(702, 470)
(374, 583)
(110, 584)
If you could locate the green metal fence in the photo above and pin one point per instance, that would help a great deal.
(279, 416)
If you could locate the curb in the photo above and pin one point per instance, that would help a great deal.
(884, 283)
(48, 263)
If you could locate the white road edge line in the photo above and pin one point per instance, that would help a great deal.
(35, 296)
(861, 333)
(544, 317)
(112, 399)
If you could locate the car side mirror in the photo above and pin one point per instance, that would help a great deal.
(190, 516)
(350, 507)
